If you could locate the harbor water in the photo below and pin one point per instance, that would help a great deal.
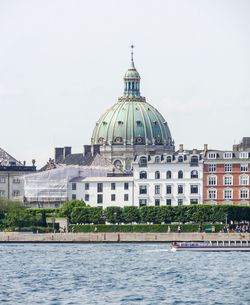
(131, 273)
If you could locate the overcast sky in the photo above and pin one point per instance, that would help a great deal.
(62, 65)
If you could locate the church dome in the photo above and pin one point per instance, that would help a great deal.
(132, 121)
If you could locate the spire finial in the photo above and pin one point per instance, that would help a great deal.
(132, 53)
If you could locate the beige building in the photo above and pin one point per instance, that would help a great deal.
(11, 172)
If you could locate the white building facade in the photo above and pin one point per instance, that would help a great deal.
(169, 179)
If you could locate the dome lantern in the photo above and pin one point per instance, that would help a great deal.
(132, 79)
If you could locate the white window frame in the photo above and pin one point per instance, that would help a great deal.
(228, 193)
(228, 167)
(212, 168)
(212, 155)
(157, 189)
(243, 155)
(244, 179)
(2, 179)
(228, 155)
(213, 180)
(16, 193)
(243, 193)
(228, 180)
(2, 192)
(212, 193)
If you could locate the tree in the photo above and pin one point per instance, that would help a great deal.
(96, 215)
(113, 215)
(130, 214)
(80, 215)
(20, 218)
(148, 214)
(67, 208)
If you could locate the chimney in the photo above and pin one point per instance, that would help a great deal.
(86, 149)
(235, 147)
(95, 149)
(67, 151)
(24, 163)
(181, 148)
(59, 152)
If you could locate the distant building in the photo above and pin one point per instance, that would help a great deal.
(169, 179)
(226, 175)
(11, 172)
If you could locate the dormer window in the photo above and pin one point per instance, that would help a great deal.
(169, 159)
(228, 155)
(212, 156)
(243, 155)
(180, 159)
(157, 159)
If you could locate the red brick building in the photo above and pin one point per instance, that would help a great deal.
(226, 175)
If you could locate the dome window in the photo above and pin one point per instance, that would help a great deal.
(165, 123)
(120, 122)
(138, 123)
(158, 139)
(155, 122)
(139, 140)
(100, 140)
(118, 139)
(104, 123)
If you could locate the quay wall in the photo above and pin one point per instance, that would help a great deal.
(10, 237)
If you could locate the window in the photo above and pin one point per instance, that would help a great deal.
(157, 175)
(112, 186)
(168, 202)
(157, 159)
(180, 201)
(228, 194)
(1, 193)
(212, 180)
(243, 193)
(180, 189)
(194, 189)
(212, 156)
(143, 175)
(243, 180)
(169, 189)
(143, 189)
(143, 162)
(212, 167)
(228, 180)
(86, 197)
(73, 196)
(228, 155)
(212, 193)
(86, 186)
(180, 159)
(99, 187)
(194, 161)
(126, 186)
(243, 155)
(2, 179)
(112, 197)
(142, 202)
(169, 175)
(244, 167)
(193, 201)
(125, 197)
(16, 180)
(73, 186)
(157, 189)
(194, 174)
(157, 202)
(180, 174)
(228, 167)
(169, 159)
(99, 198)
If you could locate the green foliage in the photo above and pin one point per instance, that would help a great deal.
(20, 218)
(143, 228)
(67, 208)
(130, 214)
(113, 215)
(148, 214)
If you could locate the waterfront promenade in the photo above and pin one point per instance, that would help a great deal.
(117, 237)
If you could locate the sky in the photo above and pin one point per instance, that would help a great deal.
(62, 65)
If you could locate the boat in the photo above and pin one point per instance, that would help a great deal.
(242, 245)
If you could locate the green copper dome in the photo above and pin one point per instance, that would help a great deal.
(131, 121)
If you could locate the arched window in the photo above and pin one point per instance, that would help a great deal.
(212, 194)
(169, 159)
(143, 175)
(194, 161)
(244, 179)
(194, 174)
(180, 174)
(228, 180)
(243, 193)
(143, 162)
(180, 159)
(169, 175)
(228, 193)
(157, 175)
(157, 159)
(212, 180)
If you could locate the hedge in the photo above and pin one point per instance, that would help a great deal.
(142, 228)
